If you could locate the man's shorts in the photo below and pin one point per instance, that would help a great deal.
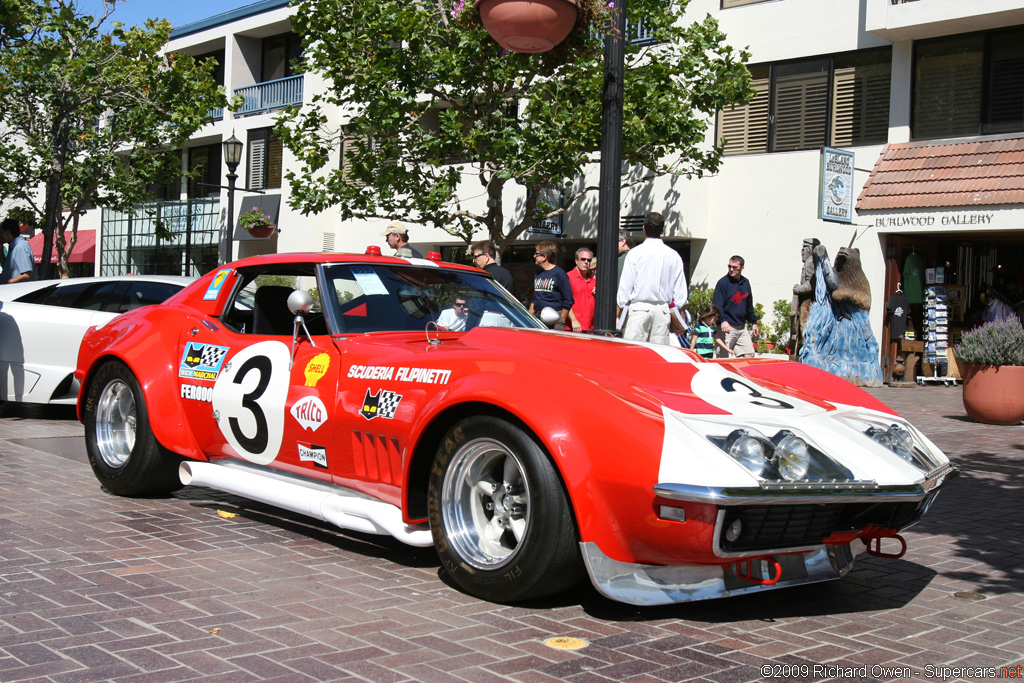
(738, 340)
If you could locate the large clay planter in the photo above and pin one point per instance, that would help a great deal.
(994, 394)
(263, 231)
(528, 25)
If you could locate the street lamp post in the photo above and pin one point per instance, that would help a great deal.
(610, 181)
(232, 157)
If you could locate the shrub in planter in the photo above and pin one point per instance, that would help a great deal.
(993, 355)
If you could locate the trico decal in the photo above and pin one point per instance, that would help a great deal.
(382, 404)
(197, 392)
(316, 368)
(201, 361)
(310, 452)
(387, 372)
(310, 412)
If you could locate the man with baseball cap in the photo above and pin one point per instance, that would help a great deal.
(398, 239)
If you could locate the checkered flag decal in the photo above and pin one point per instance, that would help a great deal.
(212, 355)
(389, 401)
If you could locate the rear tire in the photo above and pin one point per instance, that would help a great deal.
(500, 518)
(123, 453)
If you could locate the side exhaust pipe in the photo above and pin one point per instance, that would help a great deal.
(346, 512)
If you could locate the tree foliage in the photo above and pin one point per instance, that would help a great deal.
(421, 85)
(91, 114)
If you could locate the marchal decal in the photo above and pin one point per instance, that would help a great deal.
(316, 368)
(201, 361)
(310, 412)
(382, 404)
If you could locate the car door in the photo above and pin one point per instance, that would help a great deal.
(249, 393)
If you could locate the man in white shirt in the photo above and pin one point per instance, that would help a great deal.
(454, 318)
(653, 280)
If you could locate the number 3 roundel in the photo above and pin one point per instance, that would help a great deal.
(250, 397)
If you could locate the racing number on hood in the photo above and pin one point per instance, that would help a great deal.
(729, 384)
(249, 397)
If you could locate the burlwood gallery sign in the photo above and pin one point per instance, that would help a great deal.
(955, 220)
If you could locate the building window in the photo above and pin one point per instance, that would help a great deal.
(969, 85)
(279, 55)
(841, 101)
(204, 171)
(266, 156)
(218, 64)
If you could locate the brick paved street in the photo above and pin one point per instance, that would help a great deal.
(99, 588)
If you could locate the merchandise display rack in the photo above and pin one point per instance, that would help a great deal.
(936, 336)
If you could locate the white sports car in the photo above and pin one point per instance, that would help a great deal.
(42, 323)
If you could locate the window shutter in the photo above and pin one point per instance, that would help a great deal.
(257, 163)
(860, 105)
(744, 129)
(348, 151)
(947, 94)
(275, 160)
(801, 111)
(1006, 85)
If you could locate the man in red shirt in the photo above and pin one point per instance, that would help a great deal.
(584, 283)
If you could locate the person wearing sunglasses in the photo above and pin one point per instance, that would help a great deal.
(483, 258)
(733, 296)
(551, 287)
(454, 318)
(584, 284)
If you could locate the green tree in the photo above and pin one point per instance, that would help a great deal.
(421, 85)
(91, 114)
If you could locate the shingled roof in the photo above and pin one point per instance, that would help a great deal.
(911, 175)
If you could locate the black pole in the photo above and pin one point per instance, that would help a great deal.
(611, 170)
(229, 224)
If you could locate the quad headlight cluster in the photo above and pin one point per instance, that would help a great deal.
(899, 439)
(782, 457)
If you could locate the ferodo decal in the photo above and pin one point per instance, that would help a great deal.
(381, 404)
(310, 412)
(387, 372)
(316, 368)
(213, 290)
(197, 392)
(201, 361)
(310, 452)
(249, 398)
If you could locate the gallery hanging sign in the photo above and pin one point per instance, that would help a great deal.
(835, 186)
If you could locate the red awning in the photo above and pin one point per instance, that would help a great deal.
(84, 252)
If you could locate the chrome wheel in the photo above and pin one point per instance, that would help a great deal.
(116, 420)
(485, 503)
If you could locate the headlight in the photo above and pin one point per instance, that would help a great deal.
(898, 439)
(784, 458)
(748, 451)
(792, 456)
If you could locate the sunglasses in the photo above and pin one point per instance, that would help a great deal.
(536, 255)
(583, 260)
(477, 255)
(461, 305)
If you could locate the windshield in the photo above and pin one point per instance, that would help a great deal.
(376, 298)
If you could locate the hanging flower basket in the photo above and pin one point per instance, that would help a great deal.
(257, 223)
(528, 25)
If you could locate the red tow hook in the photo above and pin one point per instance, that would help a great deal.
(744, 570)
(875, 547)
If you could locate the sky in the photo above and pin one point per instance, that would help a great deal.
(179, 12)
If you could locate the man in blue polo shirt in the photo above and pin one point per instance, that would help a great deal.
(18, 264)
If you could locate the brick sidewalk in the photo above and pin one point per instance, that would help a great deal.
(99, 588)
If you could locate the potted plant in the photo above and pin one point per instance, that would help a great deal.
(256, 222)
(993, 357)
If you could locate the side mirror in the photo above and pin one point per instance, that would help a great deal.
(300, 302)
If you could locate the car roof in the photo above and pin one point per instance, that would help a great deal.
(319, 257)
(11, 292)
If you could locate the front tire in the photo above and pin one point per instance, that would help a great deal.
(500, 518)
(123, 453)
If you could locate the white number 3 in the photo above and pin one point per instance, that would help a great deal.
(250, 398)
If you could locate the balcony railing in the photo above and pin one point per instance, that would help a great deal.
(217, 114)
(639, 33)
(270, 95)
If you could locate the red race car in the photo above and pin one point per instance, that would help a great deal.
(417, 399)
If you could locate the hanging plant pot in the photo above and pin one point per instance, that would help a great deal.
(262, 231)
(994, 394)
(528, 25)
